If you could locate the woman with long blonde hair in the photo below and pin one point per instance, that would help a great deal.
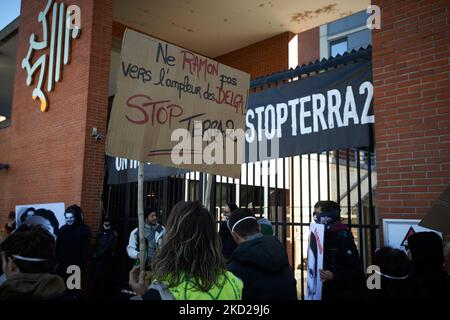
(189, 265)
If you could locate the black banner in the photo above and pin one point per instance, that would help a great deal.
(122, 170)
(328, 111)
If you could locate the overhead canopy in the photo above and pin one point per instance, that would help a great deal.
(213, 28)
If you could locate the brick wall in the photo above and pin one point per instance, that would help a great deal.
(97, 111)
(412, 105)
(53, 158)
(262, 58)
(309, 46)
(5, 157)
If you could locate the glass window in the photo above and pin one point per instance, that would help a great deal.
(338, 47)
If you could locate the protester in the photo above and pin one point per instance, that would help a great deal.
(228, 244)
(153, 234)
(342, 274)
(11, 224)
(27, 257)
(103, 262)
(72, 245)
(189, 264)
(429, 279)
(260, 261)
(394, 273)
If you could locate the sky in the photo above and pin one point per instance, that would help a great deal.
(9, 10)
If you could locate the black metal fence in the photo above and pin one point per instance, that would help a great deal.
(285, 196)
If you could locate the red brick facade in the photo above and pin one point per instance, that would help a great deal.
(412, 105)
(53, 158)
(308, 46)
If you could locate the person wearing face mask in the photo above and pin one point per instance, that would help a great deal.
(103, 263)
(395, 275)
(342, 274)
(72, 245)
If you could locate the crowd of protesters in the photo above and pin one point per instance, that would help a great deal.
(189, 260)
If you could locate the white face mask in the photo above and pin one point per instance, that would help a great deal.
(70, 218)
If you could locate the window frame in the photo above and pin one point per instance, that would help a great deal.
(335, 42)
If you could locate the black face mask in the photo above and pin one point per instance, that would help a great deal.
(327, 218)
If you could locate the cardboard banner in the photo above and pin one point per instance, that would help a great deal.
(162, 88)
(438, 217)
(315, 261)
(327, 111)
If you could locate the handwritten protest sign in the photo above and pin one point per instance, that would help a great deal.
(162, 88)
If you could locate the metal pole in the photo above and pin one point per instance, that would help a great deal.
(261, 190)
(349, 209)
(302, 273)
(360, 220)
(283, 203)
(292, 200)
(338, 183)
(207, 195)
(328, 175)
(309, 188)
(371, 211)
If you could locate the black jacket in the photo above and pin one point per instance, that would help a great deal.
(105, 245)
(341, 257)
(228, 244)
(72, 247)
(263, 265)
